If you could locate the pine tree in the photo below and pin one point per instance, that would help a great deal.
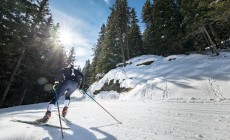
(121, 16)
(114, 48)
(147, 14)
(135, 38)
(196, 18)
(14, 29)
(71, 57)
(27, 44)
(168, 29)
(149, 44)
(95, 66)
(219, 13)
(87, 72)
(46, 53)
(110, 47)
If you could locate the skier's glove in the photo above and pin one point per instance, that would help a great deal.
(83, 88)
(55, 86)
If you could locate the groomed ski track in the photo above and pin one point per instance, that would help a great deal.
(142, 120)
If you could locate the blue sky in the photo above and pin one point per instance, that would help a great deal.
(81, 20)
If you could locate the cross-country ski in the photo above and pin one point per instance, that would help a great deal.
(39, 124)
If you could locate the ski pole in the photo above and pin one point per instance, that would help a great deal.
(102, 107)
(55, 90)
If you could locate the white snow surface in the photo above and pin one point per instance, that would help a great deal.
(183, 99)
(185, 76)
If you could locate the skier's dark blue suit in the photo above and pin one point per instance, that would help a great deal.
(68, 79)
(71, 79)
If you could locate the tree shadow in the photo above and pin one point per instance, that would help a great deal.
(181, 84)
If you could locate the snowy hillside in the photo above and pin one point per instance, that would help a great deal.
(174, 77)
(175, 98)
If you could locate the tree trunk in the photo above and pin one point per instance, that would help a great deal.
(122, 46)
(127, 46)
(126, 30)
(216, 36)
(122, 50)
(24, 89)
(12, 78)
(22, 96)
(211, 42)
(206, 38)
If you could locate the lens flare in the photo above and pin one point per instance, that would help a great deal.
(48, 87)
(42, 81)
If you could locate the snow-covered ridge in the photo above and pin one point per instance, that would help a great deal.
(177, 76)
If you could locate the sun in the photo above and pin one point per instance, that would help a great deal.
(65, 37)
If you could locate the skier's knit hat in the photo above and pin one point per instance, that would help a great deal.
(70, 65)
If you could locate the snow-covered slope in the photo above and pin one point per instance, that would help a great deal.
(141, 120)
(185, 98)
(178, 76)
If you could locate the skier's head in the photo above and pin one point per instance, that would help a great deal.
(71, 65)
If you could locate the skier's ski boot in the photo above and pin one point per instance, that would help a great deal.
(64, 111)
(44, 119)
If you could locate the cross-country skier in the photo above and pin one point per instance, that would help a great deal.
(67, 81)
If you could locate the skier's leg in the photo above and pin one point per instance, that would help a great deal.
(66, 105)
(60, 92)
(72, 87)
(52, 103)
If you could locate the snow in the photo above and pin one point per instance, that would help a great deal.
(174, 98)
(178, 76)
(160, 120)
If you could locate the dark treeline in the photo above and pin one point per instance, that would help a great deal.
(30, 52)
(172, 27)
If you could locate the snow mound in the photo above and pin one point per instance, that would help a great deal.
(176, 76)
